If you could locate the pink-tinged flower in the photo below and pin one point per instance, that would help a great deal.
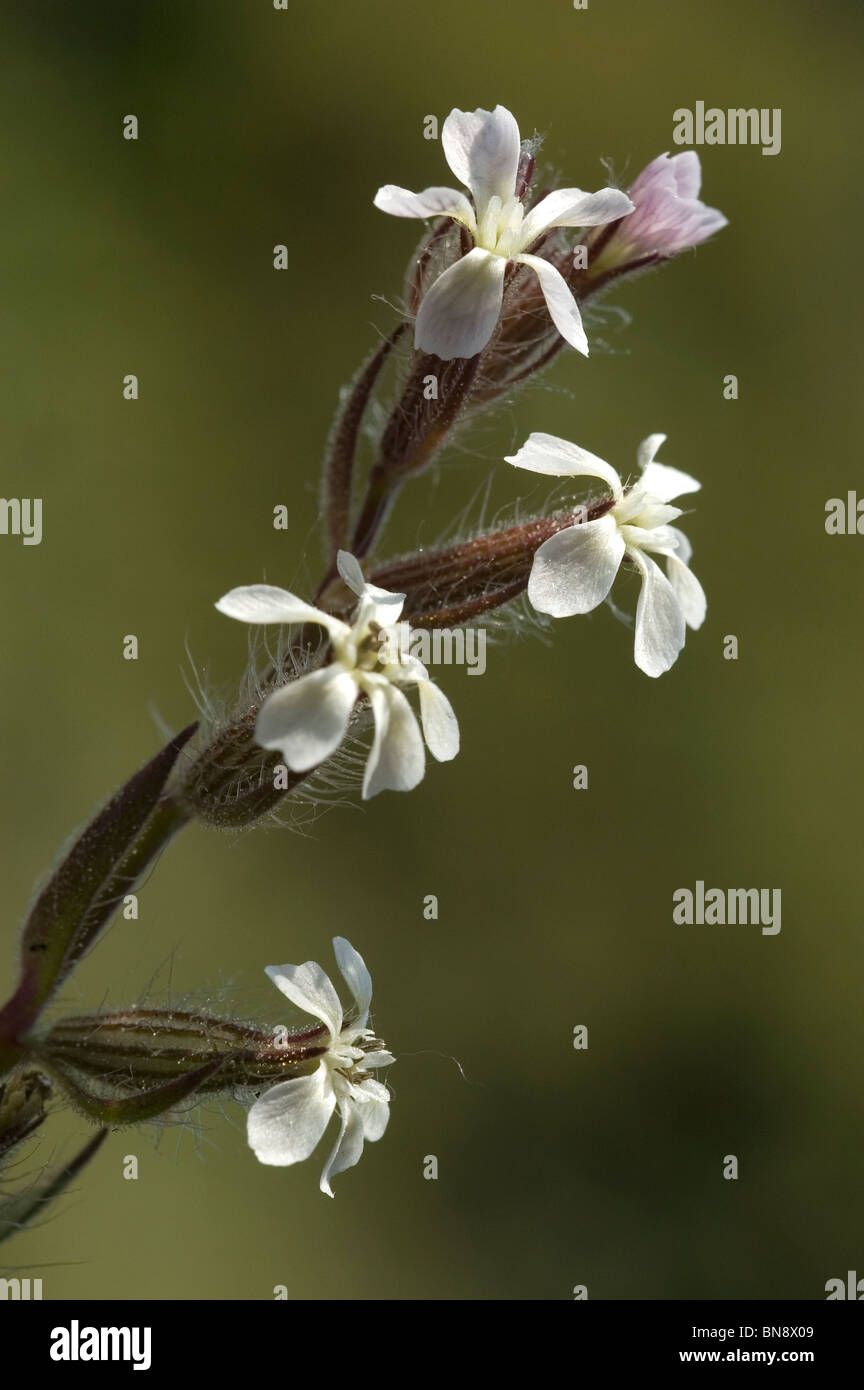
(668, 215)
(457, 316)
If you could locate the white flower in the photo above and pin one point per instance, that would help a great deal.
(573, 571)
(288, 1121)
(307, 719)
(458, 314)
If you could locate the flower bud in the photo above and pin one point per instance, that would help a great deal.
(23, 1098)
(668, 217)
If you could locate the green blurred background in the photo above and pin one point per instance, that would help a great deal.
(556, 1167)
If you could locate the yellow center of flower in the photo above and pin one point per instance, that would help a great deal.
(499, 227)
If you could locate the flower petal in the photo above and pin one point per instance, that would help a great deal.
(573, 571)
(376, 605)
(396, 759)
(647, 521)
(311, 989)
(263, 603)
(563, 309)
(369, 1090)
(348, 1147)
(663, 483)
(688, 591)
(546, 453)
(686, 172)
(683, 549)
(374, 1117)
(440, 726)
(350, 572)
(571, 207)
(356, 977)
(482, 149)
(379, 1058)
(648, 450)
(660, 627)
(287, 1122)
(432, 202)
(457, 316)
(307, 719)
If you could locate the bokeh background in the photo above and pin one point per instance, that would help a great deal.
(556, 1167)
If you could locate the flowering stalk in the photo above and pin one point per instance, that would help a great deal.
(496, 289)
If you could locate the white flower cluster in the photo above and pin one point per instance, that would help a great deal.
(307, 719)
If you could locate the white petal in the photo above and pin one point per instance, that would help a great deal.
(405, 669)
(432, 202)
(348, 1147)
(660, 627)
(307, 719)
(546, 453)
(664, 483)
(649, 526)
(570, 207)
(311, 989)
(457, 316)
(287, 1122)
(379, 1058)
(376, 605)
(374, 1116)
(648, 449)
(356, 977)
(688, 591)
(371, 1091)
(482, 149)
(658, 479)
(396, 759)
(263, 603)
(350, 572)
(563, 309)
(573, 571)
(683, 548)
(440, 726)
